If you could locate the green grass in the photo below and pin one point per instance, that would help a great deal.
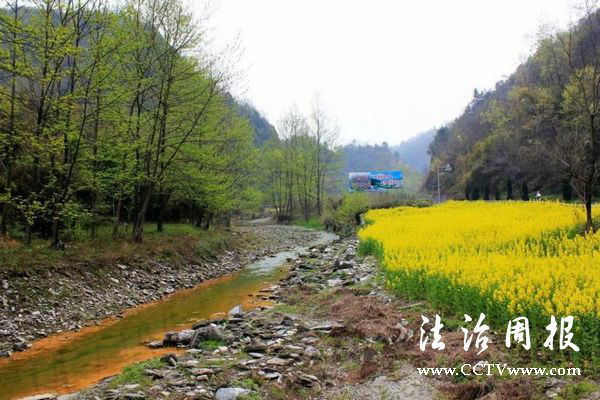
(370, 247)
(177, 243)
(312, 223)
(577, 391)
(135, 374)
(211, 344)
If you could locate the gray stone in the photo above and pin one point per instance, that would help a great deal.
(327, 326)
(157, 344)
(277, 361)
(213, 332)
(312, 352)
(271, 375)
(231, 393)
(236, 311)
(45, 396)
(202, 371)
(134, 396)
(185, 337)
(256, 347)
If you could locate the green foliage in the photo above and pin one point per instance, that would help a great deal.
(298, 167)
(122, 122)
(312, 223)
(370, 247)
(135, 374)
(538, 126)
(176, 243)
(211, 345)
(576, 391)
(213, 244)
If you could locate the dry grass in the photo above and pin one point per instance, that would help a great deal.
(175, 244)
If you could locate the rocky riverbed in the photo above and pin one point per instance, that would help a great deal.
(326, 334)
(332, 333)
(59, 299)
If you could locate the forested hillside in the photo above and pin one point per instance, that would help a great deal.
(263, 130)
(112, 116)
(415, 151)
(536, 130)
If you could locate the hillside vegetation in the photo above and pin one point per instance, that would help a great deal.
(536, 130)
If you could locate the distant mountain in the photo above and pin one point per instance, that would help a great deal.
(263, 130)
(414, 151)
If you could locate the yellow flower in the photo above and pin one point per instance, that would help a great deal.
(516, 252)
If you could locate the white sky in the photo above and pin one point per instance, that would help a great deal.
(385, 69)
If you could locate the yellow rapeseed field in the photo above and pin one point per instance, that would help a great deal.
(522, 256)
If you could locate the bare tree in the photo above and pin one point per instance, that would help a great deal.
(572, 61)
(325, 135)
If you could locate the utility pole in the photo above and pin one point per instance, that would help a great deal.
(447, 168)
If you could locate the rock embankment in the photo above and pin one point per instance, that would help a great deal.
(285, 351)
(60, 299)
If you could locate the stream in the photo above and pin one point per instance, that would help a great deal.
(68, 362)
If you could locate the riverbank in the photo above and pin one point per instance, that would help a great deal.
(333, 333)
(62, 297)
(331, 329)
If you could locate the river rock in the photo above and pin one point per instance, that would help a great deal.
(214, 332)
(312, 352)
(256, 347)
(231, 393)
(170, 337)
(236, 311)
(202, 371)
(170, 359)
(271, 375)
(177, 338)
(277, 361)
(157, 344)
(134, 396)
(45, 396)
(21, 345)
(338, 265)
(154, 374)
(327, 326)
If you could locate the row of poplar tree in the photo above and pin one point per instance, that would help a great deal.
(107, 112)
(300, 165)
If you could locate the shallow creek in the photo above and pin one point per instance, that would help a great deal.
(68, 362)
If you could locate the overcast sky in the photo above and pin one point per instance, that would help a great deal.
(386, 69)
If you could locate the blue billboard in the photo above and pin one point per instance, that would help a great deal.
(375, 181)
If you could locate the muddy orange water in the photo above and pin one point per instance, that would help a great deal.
(68, 362)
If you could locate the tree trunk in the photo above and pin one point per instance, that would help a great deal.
(588, 213)
(5, 218)
(208, 221)
(163, 199)
(11, 129)
(591, 176)
(199, 218)
(55, 233)
(138, 226)
(117, 219)
(28, 235)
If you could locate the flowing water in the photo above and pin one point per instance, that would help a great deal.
(68, 362)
